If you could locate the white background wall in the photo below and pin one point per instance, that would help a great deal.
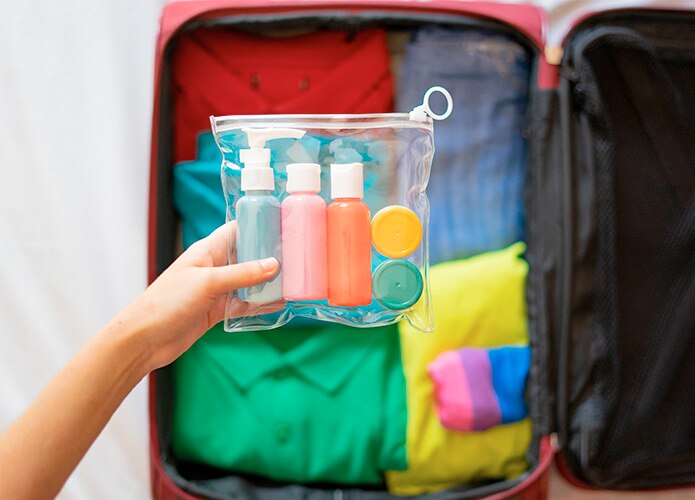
(75, 108)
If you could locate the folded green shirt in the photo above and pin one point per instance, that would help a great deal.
(316, 404)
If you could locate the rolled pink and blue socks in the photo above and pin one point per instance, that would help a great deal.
(477, 388)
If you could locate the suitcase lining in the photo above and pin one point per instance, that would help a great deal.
(627, 397)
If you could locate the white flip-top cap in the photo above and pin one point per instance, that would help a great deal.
(347, 180)
(303, 177)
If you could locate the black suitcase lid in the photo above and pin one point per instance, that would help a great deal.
(620, 292)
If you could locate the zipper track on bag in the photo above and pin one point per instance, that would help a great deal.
(421, 116)
(299, 116)
(340, 122)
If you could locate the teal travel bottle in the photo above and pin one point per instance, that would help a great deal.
(258, 211)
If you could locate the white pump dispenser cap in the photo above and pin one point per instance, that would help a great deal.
(347, 180)
(257, 174)
(303, 177)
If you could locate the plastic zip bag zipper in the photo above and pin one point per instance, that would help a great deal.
(421, 116)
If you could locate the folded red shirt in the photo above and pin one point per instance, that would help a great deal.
(223, 72)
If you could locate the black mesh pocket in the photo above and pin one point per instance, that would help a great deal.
(642, 106)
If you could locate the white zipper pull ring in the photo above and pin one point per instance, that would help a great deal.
(421, 112)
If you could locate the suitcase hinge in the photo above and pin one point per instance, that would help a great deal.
(554, 55)
(555, 442)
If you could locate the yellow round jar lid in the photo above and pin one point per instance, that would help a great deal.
(396, 231)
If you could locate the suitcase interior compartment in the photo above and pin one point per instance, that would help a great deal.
(215, 483)
(625, 359)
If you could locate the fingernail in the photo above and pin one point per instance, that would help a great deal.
(269, 264)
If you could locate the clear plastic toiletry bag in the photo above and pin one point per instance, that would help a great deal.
(340, 201)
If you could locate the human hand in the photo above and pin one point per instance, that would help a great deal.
(190, 297)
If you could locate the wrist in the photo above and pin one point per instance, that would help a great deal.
(127, 340)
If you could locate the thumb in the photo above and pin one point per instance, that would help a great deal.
(226, 278)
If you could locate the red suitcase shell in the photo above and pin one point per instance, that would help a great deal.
(528, 21)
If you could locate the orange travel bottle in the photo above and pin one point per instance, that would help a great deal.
(349, 239)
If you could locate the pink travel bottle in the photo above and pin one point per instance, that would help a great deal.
(304, 251)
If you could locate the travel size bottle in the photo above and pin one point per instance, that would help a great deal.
(258, 211)
(304, 253)
(349, 240)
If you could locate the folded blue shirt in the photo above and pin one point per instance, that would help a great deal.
(476, 184)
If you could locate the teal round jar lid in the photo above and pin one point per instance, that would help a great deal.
(397, 284)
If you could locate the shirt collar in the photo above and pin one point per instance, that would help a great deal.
(325, 357)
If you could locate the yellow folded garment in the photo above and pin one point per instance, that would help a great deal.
(478, 302)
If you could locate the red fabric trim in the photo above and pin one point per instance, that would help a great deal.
(548, 76)
(528, 19)
(566, 473)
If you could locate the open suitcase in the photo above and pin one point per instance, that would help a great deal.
(610, 215)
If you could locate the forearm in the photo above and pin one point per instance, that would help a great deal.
(40, 449)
